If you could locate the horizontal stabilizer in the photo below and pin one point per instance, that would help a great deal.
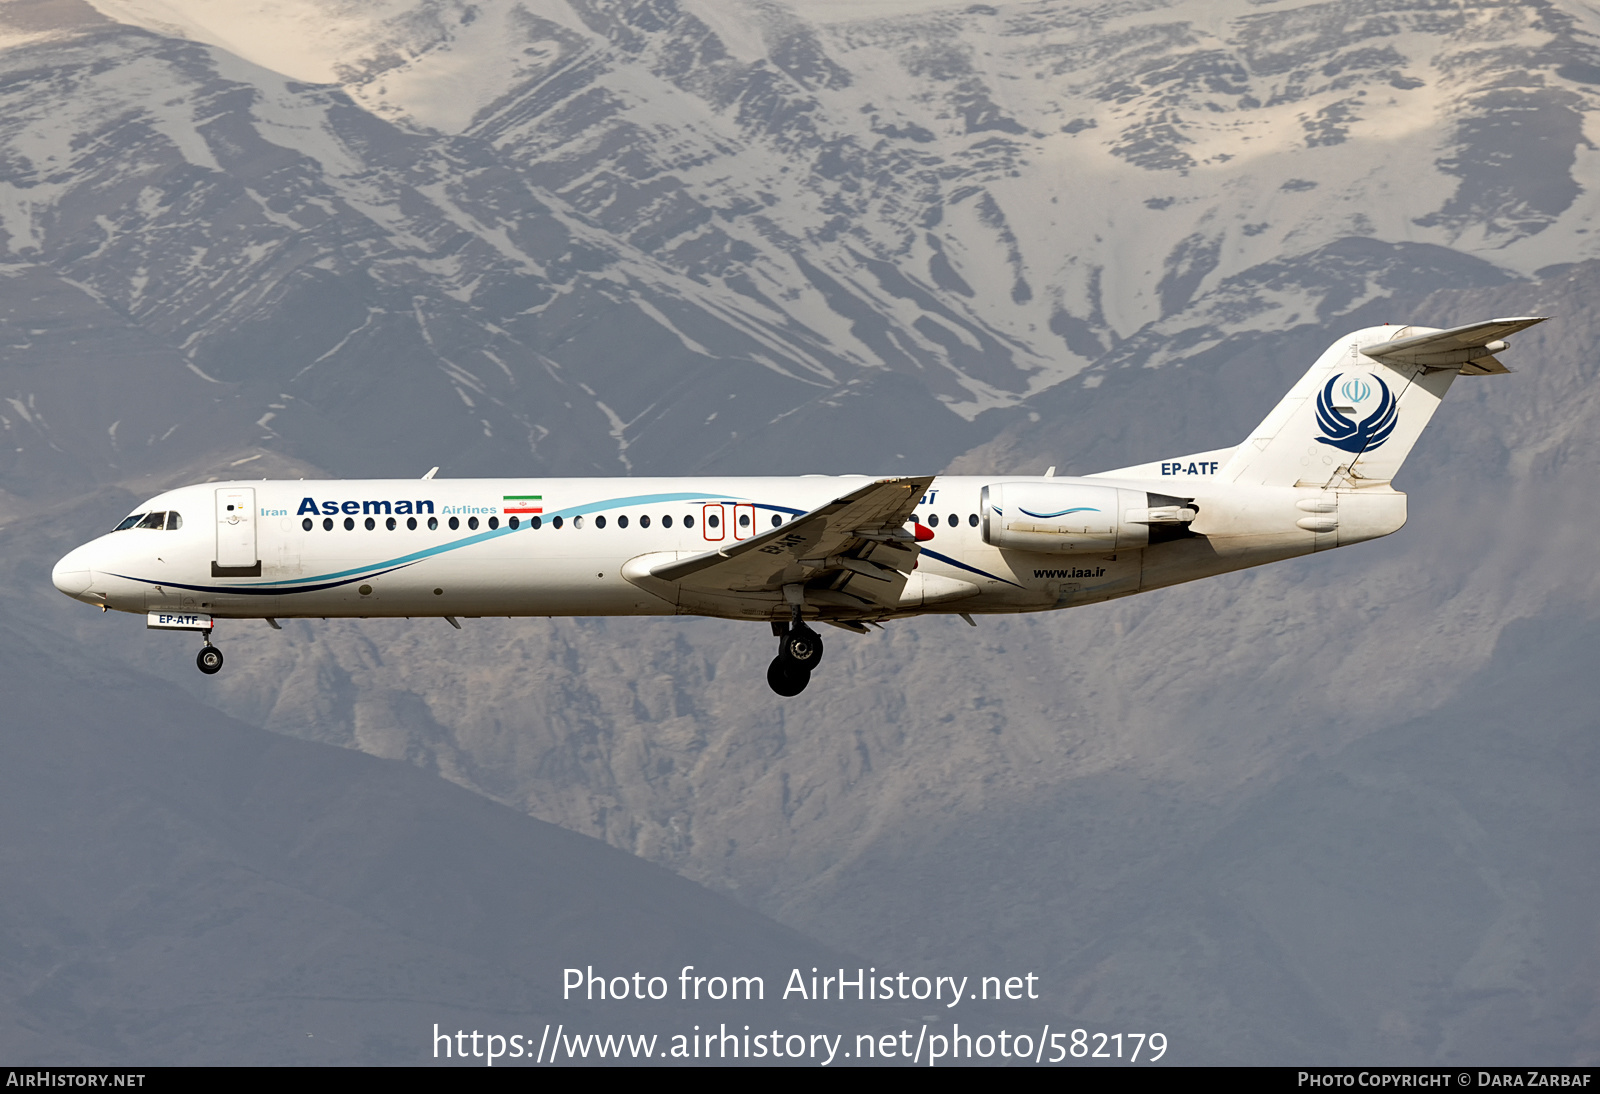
(1469, 349)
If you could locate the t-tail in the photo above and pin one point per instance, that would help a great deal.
(1316, 473)
(1353, 418)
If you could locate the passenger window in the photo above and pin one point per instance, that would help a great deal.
(306, 524)
(972, 519)
(370, 523)
(174, 521)
(494, 522)
(556, 523)
(713, 521)
(513, 523)
(455, 522)
(600, 522)
(472, 523)
(744, 520)
(391, 524)
(154, 520)
(128, 522)
(955, 520)
(622, 521)
(433, 524)
(349, 524)
(666, 522)
(327, 524)
(535, 522)
(915, 519)
(776, 520)
(933, 520)
(411, 524)
(688, 522)
(644, 521)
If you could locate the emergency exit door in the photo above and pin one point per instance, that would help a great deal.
(712, 523)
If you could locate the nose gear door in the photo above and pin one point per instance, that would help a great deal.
(236, 533)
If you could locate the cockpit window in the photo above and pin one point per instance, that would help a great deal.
(174, 521)
(128, 522)
(154, 520)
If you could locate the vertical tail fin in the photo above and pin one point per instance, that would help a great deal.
(1355, 416)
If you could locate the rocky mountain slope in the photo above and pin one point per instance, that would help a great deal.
(181, 888)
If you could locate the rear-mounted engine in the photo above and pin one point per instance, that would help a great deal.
(1069, 517)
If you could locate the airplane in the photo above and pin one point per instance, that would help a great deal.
(850, 551)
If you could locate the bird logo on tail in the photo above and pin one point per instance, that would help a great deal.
(1345, 433)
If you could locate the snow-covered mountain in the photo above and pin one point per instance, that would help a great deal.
(695, 229)
(1023, 148)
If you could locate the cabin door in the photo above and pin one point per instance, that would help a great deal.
(236, 533)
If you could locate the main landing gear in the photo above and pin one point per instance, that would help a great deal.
(799, 651)
(209, 659)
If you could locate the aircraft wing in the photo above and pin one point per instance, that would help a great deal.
(1470, 349)
(854, 549)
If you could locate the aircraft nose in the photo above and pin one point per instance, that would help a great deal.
(72, 574)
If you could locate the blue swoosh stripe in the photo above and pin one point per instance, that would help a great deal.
(481, 537)
(346, 577)
(257, 590)
(971, 569)
(1062, 513)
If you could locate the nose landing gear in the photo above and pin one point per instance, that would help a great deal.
(209, 659)
(799, 652)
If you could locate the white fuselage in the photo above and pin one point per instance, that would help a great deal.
(1316, 473)
(448, 547)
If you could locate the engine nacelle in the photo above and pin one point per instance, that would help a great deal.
(1070, 517)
